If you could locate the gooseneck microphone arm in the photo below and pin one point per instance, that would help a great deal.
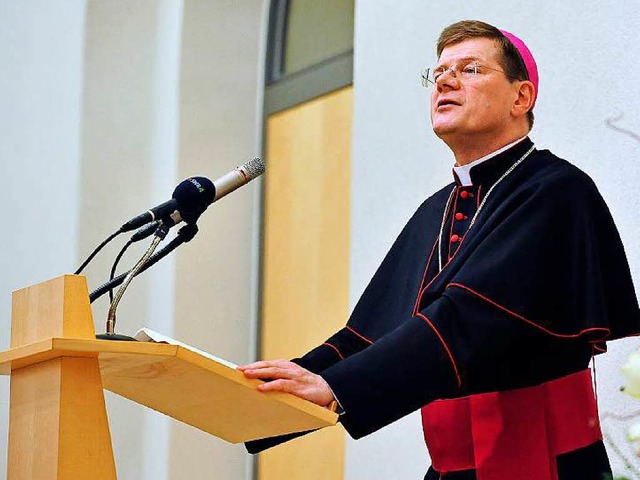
(161, 233)
(185, 234)
(141, 234)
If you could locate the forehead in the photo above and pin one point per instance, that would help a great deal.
(482, 49)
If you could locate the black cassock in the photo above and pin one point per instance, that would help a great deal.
(526, 295)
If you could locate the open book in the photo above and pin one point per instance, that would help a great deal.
(147, 335)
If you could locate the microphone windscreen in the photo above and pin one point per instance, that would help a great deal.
(254, 168)
(194, 195)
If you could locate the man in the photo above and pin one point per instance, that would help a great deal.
(491, 303)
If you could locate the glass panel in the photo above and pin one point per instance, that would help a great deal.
(317, 31)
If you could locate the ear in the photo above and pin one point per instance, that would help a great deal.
(524, 99)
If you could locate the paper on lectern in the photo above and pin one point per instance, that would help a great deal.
(147, 335)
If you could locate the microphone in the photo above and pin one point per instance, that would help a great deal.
(190, 210)
(238, 177)
(192, 196)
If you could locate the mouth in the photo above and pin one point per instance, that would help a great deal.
(446, 103)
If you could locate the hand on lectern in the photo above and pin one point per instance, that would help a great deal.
(289, 377)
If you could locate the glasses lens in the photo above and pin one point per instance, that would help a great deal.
(470, 70)
(425, 78)
(463, 72)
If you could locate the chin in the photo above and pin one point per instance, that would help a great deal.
(444, 123)
(443, 130)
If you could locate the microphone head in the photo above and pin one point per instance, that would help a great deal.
(194, 195)
(253, 168)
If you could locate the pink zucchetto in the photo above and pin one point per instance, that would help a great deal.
(529, 62)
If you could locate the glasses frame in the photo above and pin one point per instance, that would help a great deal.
(429, 83)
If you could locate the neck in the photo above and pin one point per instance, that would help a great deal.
(468, 149)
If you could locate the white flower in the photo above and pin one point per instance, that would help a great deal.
(633, 434)
(631, 369)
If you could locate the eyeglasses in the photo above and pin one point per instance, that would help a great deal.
(464, 72)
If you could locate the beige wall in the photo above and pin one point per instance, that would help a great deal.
(129, 156)
(215, 275)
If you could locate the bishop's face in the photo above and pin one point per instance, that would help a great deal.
(473, 98)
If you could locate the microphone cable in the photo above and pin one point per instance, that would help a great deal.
(185, 235)
(95, 252)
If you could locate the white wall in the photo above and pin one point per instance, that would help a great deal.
(586, 64)
(106, 106)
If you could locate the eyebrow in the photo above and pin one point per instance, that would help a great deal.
(462, 59)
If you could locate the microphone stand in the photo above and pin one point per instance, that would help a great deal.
(160, 234)
(185, 234)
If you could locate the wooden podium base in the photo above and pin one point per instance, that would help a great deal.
(58, 427)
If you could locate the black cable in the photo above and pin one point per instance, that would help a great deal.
(117, 281)
(185, 234)
(95, 252)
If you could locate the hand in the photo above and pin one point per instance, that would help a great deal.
(291, 378)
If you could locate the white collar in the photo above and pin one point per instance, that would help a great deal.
(464, 172)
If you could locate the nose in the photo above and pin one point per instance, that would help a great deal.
(447, 79)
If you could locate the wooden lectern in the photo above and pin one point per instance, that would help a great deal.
(58, 427)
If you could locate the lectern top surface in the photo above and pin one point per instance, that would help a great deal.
(183, 384)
